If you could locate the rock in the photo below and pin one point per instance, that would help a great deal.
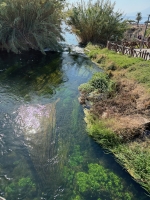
(82, 100)
(37, 126)
(1, 198)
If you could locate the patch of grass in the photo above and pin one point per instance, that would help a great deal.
(120, 61)
(98, 130)
(135, 157)
(141, 73)
(136, 69)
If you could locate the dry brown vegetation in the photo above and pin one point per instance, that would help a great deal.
(127, 112)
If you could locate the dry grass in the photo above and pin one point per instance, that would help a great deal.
(127, 112)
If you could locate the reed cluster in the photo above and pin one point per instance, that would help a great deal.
(30, 24)
(96, 22)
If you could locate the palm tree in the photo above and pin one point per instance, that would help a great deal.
(138, 17)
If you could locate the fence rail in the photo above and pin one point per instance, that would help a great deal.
(142, 53)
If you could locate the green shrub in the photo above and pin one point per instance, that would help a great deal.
(96, 22)
(100, 81)
(86, 88)
(30, 24)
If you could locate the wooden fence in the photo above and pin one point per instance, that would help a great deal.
(119, 48)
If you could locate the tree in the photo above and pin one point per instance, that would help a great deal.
(96, 22)
(34, 24)
(138, 17)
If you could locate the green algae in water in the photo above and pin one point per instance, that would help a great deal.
(98, 183)
(21, 183)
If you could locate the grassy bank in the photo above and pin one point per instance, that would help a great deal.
(119, 116)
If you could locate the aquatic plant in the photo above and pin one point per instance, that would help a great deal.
(100, 183)
(75, 113)
(37, 122)
(19, 32)
(21, 187)
(74, 164)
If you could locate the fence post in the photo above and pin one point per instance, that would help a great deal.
(123, 49)
(108, 44)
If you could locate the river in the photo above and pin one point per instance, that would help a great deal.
(45, 152)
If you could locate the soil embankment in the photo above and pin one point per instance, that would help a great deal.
(120, 120)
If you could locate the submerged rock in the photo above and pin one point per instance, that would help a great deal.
(37, 123)
(1, 198)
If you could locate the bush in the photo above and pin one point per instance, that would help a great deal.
(34, 24)
(96, 22)
(99, 82)
(86, 88)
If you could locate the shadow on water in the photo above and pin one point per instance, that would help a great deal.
(30, 73)
(45, 152)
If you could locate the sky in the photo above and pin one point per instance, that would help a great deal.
(131, 6)
(127, 6)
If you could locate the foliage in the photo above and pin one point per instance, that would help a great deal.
(131, 21)
(135, 157)
(148, 32)
(96, 22)
(29, 24)
(98, 130)
(138, 17)
(86, 88)
(99, 81)
(74, 164)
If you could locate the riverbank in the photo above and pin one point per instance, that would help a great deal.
(120, 120)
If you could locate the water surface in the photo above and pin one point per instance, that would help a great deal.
(45, 152)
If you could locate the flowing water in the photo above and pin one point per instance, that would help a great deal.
(45, 152)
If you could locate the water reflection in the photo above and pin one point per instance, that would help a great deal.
(28, 74)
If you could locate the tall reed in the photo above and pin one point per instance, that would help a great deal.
(34, 24)
(96, 22)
